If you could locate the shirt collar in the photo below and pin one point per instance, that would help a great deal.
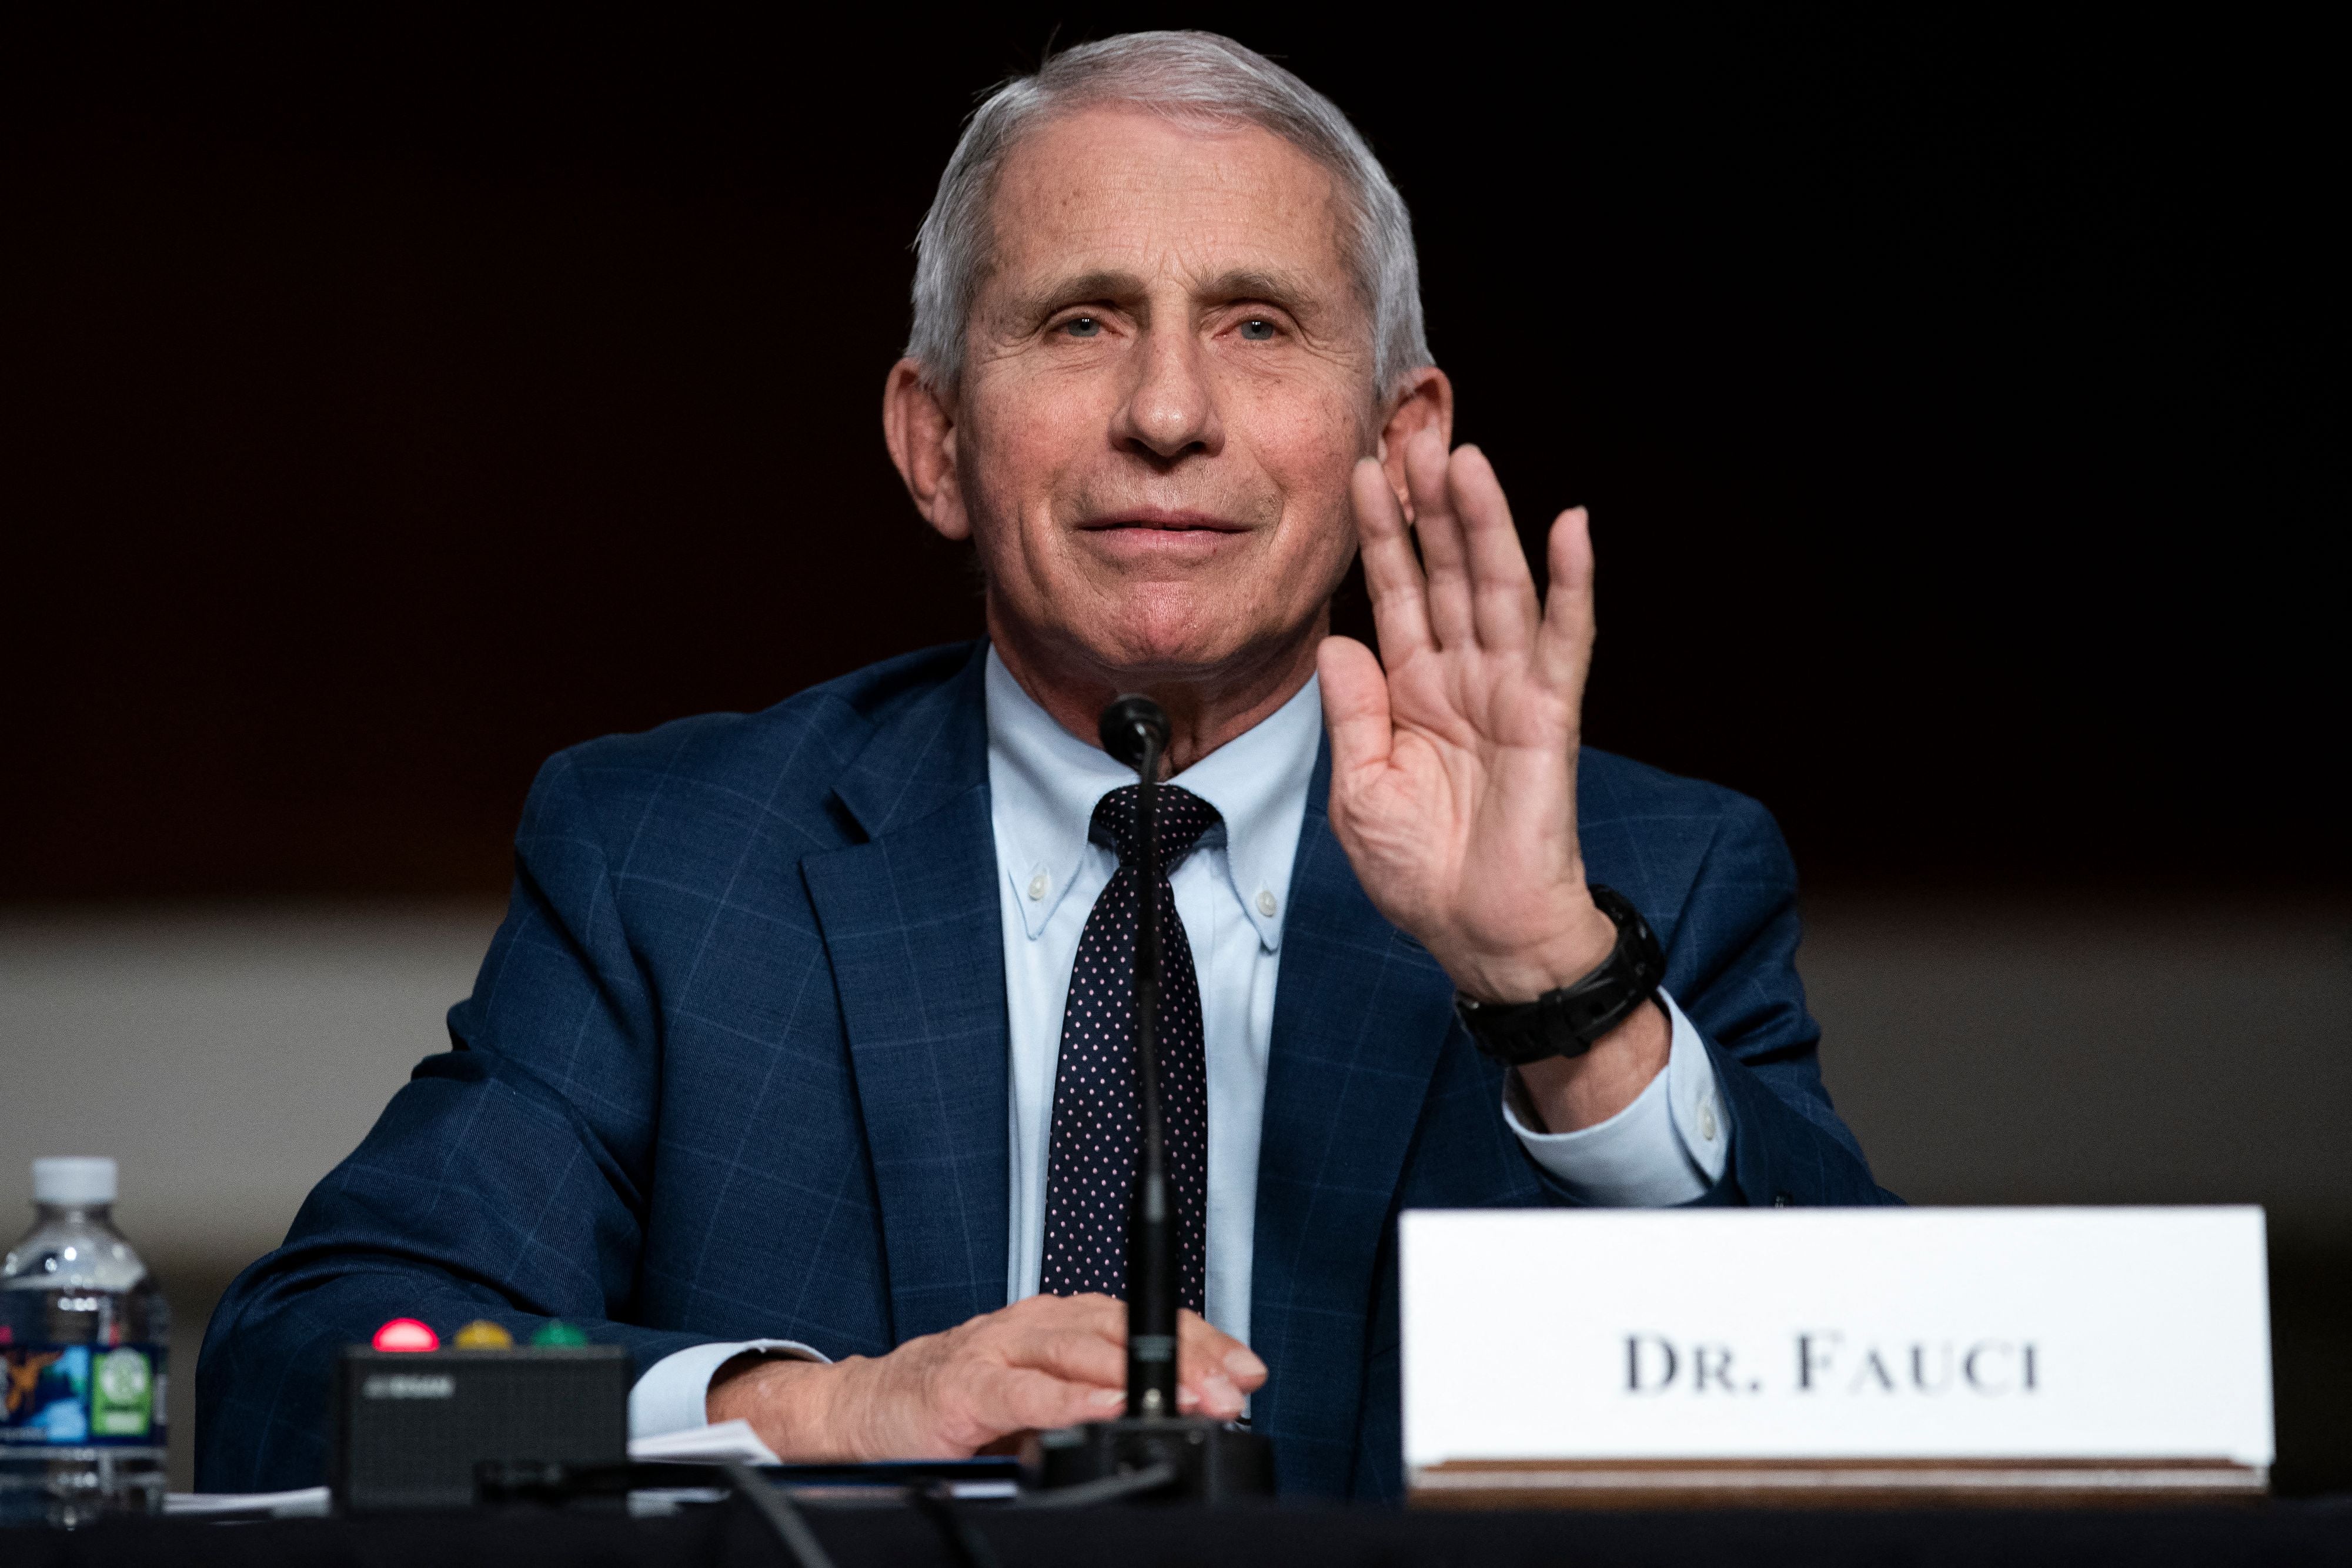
(1044, 783)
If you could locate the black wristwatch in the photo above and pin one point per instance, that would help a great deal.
(1566, 1023)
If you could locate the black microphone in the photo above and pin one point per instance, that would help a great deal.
(1135, 730)
(1153, 1451)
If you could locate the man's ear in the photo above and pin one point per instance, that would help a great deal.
(922, 433)
(1425, 398)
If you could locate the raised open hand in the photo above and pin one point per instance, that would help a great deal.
(1453, 770)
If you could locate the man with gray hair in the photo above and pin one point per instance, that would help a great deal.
(803, 1063)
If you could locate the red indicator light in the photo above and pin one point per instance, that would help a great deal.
(407, 1333)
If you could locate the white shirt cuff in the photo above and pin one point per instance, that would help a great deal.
(1668, 1146)
(673, 1393)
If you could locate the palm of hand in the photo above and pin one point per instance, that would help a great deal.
(1453, 783)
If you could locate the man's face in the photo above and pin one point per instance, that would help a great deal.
(1168, 381)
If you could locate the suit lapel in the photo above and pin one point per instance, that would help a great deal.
(1360, 1013)
(912, 924)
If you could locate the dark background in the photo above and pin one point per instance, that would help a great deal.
(390, 398)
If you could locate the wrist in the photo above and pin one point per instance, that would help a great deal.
(1569, 1093)
(1579, 943)
(786, 1400)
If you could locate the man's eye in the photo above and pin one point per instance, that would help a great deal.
(1083, 327)
(1257, 330)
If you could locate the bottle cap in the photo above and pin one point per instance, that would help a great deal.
(73, 1179)
(405, 1334)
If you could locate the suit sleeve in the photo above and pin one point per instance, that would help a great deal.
(1731, 962)
(507, 1180)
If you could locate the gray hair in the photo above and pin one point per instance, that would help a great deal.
(1199, 80)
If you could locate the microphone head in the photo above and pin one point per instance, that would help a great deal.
(1126, 725)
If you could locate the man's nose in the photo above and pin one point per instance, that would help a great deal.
(1172, 408)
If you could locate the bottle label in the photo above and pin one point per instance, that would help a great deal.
(82, 1395)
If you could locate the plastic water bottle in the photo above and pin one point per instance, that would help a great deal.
(83, 1332)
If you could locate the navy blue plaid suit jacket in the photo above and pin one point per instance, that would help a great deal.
(735, 1067)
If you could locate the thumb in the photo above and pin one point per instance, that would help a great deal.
(1355, 709)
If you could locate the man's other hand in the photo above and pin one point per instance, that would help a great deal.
(1048, 1361)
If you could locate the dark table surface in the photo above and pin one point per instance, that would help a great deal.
(729, 1536)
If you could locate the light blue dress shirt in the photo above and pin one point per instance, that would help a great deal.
(1232, 891)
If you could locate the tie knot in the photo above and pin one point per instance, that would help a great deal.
(1183, 818)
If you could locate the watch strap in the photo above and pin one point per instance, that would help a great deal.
(1569, 1021)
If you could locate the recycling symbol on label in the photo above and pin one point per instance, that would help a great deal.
(123, 1376)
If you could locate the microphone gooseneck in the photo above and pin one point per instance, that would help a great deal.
(1191, 1457)
(1135, 730)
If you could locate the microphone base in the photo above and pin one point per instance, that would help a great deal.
(1214, 1463)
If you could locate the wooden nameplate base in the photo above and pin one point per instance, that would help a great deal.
(1833, 1483)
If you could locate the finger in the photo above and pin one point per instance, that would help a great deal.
(1199, 1340)
(1444, 558)
(1091, 1312)
(1217, 1369)
(1564, 643)
(1355, 709)
(1392, 576)
(1076, 1357)
(1073, 1343)
(1008, 1399)
(1502, 591)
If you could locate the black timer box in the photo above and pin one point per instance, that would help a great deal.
(407, 1427)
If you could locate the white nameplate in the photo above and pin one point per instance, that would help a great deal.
(1778, 1335)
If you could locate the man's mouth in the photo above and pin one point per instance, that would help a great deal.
(1153, 519)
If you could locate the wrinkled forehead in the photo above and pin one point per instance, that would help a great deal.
(1119, 191)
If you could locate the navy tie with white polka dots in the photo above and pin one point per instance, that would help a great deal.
(1090, 1165)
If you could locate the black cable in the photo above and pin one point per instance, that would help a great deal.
(1111, 1489)
(936, 1502)
(781, 1515)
